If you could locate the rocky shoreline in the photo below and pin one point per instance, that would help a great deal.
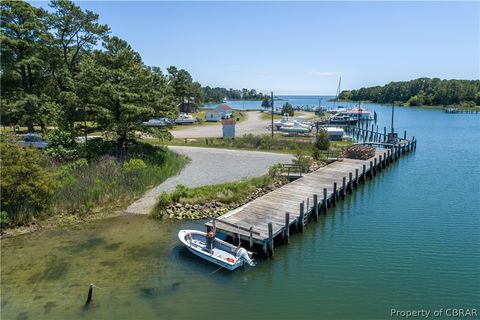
(182, 211)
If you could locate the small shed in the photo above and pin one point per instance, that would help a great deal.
(213, 115)
(228, 128)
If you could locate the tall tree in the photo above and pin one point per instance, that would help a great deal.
(23, 69)
(75, 33)
(120, 88)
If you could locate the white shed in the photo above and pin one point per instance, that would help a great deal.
(213, 115)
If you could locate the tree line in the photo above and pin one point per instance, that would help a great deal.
(219, 94)
(419, 92)
(62, 66)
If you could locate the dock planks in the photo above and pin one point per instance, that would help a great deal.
(271, 207)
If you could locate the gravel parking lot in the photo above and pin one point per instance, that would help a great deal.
(211, 166)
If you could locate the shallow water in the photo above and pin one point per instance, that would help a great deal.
(409, 239)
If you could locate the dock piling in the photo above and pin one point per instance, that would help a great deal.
(287, 227)
(270, 239)
(325, 203)
(302, 216)
(334, 195)
(356, 178)
(344, 187)
(364, 169)
(350, 182)
(315, 206)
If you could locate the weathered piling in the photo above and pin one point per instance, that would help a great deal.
(302, 213)
(344, 186)
(364, 173)
(325, 201)
(287, 227)
(270, 239)
(350, 182)
(334, 195)
(90, 293)
(356, 177)
(315, 206)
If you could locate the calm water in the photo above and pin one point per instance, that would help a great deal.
(312, 101)
(408, 240)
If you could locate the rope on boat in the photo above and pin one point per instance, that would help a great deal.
(214, 271)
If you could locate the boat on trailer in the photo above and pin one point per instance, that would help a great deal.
(208, 247)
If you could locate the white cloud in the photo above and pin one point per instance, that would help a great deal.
(323, 73)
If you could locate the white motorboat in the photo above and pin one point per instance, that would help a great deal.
(286, 121)
(185, 118)
(296, 128)
(208, 247)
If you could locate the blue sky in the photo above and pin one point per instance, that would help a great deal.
(301, 47)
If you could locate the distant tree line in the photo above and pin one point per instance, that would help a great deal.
(61, 67)
(219, 94)
(418, 92)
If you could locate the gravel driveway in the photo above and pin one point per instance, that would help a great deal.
(210, 166)
(253, 124)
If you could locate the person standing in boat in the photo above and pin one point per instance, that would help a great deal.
(209, 242)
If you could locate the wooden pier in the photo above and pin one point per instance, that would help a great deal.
(272, 217)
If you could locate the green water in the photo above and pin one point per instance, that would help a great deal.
(409, 239)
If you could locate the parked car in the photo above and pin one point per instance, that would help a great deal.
(90, 138)
(35, 141)
(158, 122)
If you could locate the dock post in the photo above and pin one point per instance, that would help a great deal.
(334, 202)
(302, 216)
(315, 206)
(270, 238)
(371, 170)
(325, 203)
(356, 178)
(251, 238)
(379, 162)
(287, 227)
(344, 187)
(364, 172)
(384, 164)
(350, 181)
(374, 166)
(384, 134)
(90, 293)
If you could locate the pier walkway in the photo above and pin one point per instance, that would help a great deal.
(292, 206)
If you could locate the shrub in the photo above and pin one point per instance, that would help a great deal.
(134, 165)
(27, 185)
(322, 141)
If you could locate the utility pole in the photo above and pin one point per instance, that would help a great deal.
(393, 112)
(271, 97)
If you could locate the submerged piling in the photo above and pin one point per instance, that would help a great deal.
(90, 293)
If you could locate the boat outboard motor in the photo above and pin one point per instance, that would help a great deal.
(209, 242)
(245, 256)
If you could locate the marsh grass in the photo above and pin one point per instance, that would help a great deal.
(110, 182)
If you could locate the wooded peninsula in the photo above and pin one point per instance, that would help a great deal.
(420, 92)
